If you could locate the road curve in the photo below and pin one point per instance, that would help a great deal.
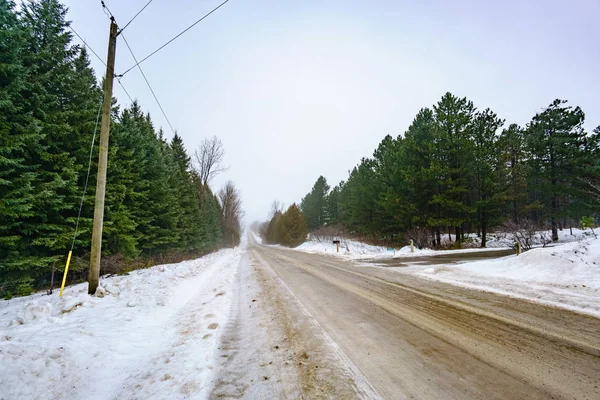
(414, 338)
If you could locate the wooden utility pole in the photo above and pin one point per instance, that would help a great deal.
(94, 273)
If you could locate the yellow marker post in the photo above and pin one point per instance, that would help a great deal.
(62, 286)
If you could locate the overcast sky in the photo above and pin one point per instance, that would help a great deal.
(296, 89)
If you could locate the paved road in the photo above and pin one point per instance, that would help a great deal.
(413, 338)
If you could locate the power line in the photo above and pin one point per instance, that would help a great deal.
(87, 177)
(87, 45)
(101, 60)
(134, 17)
(181, 33)
(125, 90)
(148, 83)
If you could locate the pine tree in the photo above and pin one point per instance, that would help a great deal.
(487, 170)
(358, 199)
(511, 147)
(452, 161)
(314, 204)
(555, 139)
(420, 182)
(332, 203)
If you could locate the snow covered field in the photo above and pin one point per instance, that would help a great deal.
(153, 334)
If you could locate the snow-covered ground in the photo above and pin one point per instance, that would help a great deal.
(352, 249)
(566, 275)
(153, 334)
(355, 250)
(347, 249)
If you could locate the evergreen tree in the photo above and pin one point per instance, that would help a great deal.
(332, 203)
(418, 176)
(487, 169)
(314, 204)
(294, 227)
(388, 187)
(451, 164)
(358, 199)
(511, 147)
(274, 229)
(189, 222)
(555, 140)
(19, 147)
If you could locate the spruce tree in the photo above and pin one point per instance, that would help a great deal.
(19, 146)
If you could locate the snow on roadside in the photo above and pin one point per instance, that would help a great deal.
(348, 248)
(355, 250)
(566, 275)
(154, 333)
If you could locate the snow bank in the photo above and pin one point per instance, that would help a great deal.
(149, 334)
(507, 239)
(351, 249)
(355, 250)
(565, 275)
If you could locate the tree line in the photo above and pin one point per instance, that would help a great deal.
(459, 170)
(158, 207)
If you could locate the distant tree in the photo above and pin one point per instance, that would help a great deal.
(276, 207)
(209, 159)
(231, 208)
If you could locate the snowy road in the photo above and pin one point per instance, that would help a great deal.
(405, 337)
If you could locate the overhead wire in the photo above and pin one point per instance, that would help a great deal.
(173, 39)
(87, 177)
(149, 86)
(134, 17)
(101, 60)
(87, 45)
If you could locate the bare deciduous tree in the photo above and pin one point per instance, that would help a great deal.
(276, 207)
(231, 205)
(208, 159)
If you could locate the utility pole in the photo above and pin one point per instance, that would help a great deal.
(94, 273)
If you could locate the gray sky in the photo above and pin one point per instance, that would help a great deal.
(296, 89)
